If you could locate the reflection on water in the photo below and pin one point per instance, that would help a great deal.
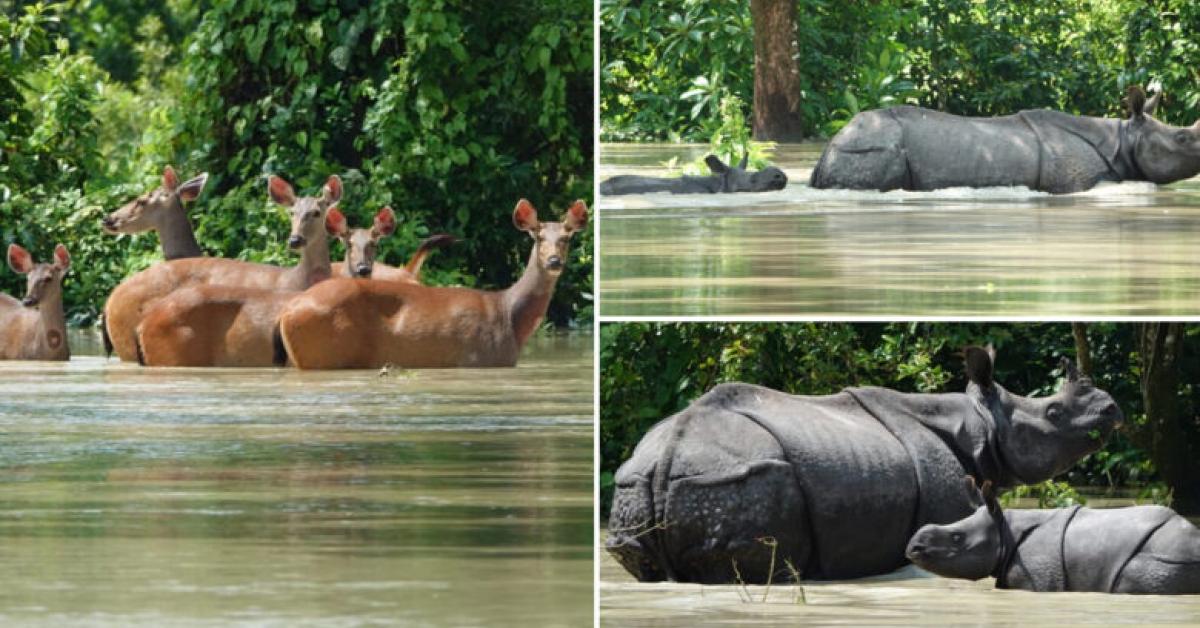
(275, 497)
(907, 597)
(1127, 249)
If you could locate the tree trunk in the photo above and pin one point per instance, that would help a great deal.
(1083, 351)
(1160, 346)
(776, 74)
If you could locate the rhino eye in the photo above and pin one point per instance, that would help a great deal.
(1054, 412)
(1181, 137)
(957, 537)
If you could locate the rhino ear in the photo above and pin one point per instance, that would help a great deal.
(988, 492)
(979, 363)
(1152, 104)
(1069, 369)
(716, 165)
(1135, 99)
(973, 494)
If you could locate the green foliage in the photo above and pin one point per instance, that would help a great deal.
(446, 110)
(1049, 494)
(649, 371)
(968, 57)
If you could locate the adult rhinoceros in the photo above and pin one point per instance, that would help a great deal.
(912, 148)
(839, 482)
(1138, 549)
(724, 178)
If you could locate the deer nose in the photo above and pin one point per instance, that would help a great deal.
(363, 270)
(554, 263)
(109, 221)
(29, 301)
(296, 241)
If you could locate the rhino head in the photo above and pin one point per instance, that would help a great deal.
(969, 548)
(1164, 153)
(1040, 437)
(738, 179)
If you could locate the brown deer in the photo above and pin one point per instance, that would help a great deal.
(219, 325)
(365, 323)
(129, 301)
(35, 328)
(162, 210)
(362, 247)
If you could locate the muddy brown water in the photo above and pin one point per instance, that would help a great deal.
(1120, 249)
(264, 497)
(907, 597)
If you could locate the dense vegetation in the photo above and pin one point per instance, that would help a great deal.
(667, 64)
(449, 111)
(650, 371)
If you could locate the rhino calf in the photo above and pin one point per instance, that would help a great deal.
(1139, 549)
(748, 479)
(911, 148)
(725, 179)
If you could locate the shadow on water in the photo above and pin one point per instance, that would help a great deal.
(221, 497)
(1125, 249)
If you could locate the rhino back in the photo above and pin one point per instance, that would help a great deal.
(1139, 549)
(945, 150)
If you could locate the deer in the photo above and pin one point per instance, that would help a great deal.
(35, 328)
(362, 247)
(367, 323)
(131, 299)
(219, 325)
(162, 210)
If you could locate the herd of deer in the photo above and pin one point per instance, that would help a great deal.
(192, 310)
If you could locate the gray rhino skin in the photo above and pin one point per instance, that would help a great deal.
(1139, 549)
(840, 482)
(912, 148)
(725, 179)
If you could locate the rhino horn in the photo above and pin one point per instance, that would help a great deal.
(1069, 369)
(745, 160)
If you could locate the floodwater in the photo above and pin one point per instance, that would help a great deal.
(166, 497)
(1119, 249)
(907, 597)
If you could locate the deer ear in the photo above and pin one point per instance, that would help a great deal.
(62, 260)
(525, 217)
(385, 222)
(332, 192)
(576, 216)
(716, 165)
(979, 366)
(19, 259)
(192, 187)
(169, 179)
(281, 191)
(335, 222)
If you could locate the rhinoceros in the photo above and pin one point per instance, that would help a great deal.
(746, 478)
(912, 148)
(724, 178)
(1139, 549)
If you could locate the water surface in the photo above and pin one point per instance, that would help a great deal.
(266, 497)
(1126, 249)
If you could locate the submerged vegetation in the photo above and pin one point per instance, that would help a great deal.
(666, 65)
(445, 112)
